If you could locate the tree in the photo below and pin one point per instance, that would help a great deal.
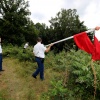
(43, 32)
(65, 24)
(31, 33)
(13, 20)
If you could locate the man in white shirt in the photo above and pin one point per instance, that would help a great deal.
(39, 52)
(0, 56)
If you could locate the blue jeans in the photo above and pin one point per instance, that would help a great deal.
(40, 69)
(0, 61)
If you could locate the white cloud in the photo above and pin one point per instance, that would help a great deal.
(91, 14)
(43, 10)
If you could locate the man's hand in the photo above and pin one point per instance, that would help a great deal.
(51, 44)
(48, 48)
(97, 28)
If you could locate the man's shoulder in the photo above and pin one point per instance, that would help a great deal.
(42, 44)
(39, 45)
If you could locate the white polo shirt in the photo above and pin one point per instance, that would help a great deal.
(39, 50)
(0, 49)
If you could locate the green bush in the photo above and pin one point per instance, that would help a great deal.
(56, 62)
(80, 81)
(17, 52)
(57, 91)
(81, 75)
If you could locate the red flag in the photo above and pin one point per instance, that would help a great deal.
(96, 53)
(83, 42)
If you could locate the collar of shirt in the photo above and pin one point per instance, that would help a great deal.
(38, 42)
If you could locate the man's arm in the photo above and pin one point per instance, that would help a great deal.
(48, 48)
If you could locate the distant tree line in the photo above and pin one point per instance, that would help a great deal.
(17, 28)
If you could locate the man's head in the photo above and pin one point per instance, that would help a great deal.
(39, 39)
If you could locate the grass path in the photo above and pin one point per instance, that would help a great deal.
(14, 87)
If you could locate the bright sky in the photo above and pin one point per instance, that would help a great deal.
(43, 10)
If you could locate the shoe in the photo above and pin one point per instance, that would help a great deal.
(2, 70)
(42, 79)
(34, 76)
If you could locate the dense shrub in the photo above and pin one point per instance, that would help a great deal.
(80, 81)
(17, 52)
(57, 62)
(81, 75)
(57, 91)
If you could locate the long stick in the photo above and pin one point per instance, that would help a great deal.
(95, 78)
(69, 38)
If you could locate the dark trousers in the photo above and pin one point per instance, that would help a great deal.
(0, 61)
(40, 69)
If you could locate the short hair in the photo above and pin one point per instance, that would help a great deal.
(39, 39)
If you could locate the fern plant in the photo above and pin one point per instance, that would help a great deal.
(81, 75)
(80, 80)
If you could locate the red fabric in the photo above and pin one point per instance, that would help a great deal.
(83, 42)
(96, 53)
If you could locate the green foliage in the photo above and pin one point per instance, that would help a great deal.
(27, 56)
(15, 25)
(10, 50)
(57, 91)
(65, 24)
(78, 85)
(80, 81)
(17, 28)
(81, 75)
(17, 52)
(59, 62)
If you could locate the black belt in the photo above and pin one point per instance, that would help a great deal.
(42, 59)
(39, 57)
